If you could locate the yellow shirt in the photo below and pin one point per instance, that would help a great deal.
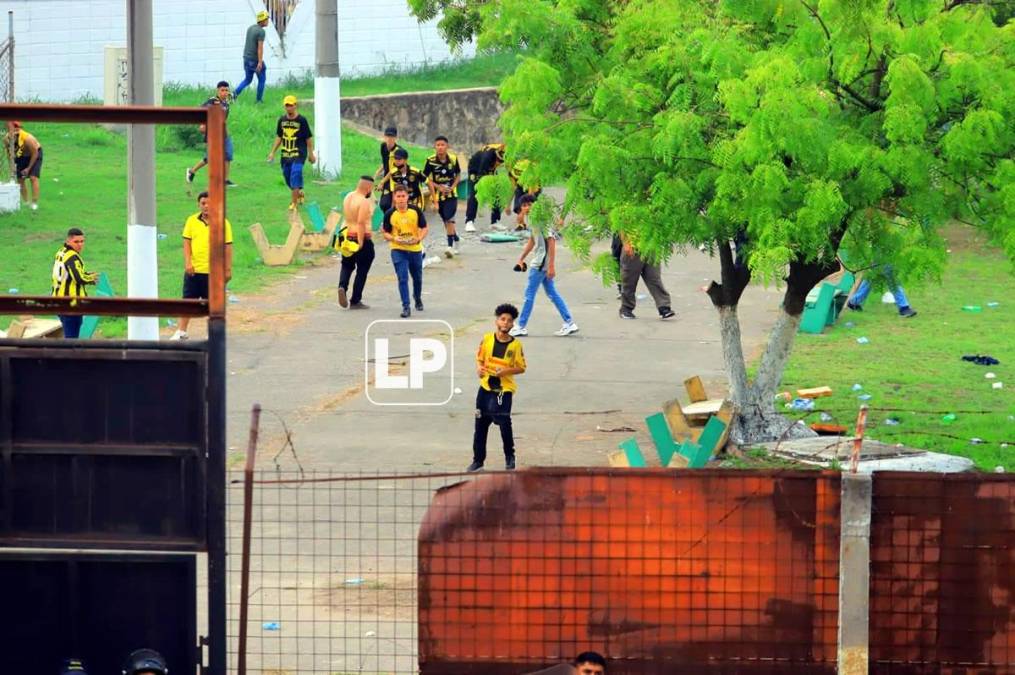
(199, 234)
(513, 357)
(405, 225)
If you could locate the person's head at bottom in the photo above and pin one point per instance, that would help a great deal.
(145, 662)
(401, 197)
(590, 663)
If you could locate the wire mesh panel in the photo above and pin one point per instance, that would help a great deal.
(942, 594)
(661, 571)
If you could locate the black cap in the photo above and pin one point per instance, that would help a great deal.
(391, 131)
(401, 153)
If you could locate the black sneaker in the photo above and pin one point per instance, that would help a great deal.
(855, 308)
(907, 312)
(229, 183)
(627, 314)
(190, 176)
(405, 313)
(419, 305)
(343, 299)
(666, 313)
(509, 464)
(474, 467)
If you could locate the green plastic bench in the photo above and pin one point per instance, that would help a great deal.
(634, 457)
(699, 453)
(659, 430)
(317, 222)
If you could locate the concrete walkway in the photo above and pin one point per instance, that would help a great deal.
(302, 357)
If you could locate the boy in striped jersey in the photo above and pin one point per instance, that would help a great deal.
(70, 278)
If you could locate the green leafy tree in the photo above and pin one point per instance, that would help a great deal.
(776, 133)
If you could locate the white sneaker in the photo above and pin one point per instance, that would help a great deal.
(470, 226)
(567, 329)
(35, 207)
(449, 253)
(518, 331)
(180, 335)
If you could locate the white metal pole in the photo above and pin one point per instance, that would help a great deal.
(327, 104)
(142, 252)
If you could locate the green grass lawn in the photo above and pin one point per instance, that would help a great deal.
(84, 184)
(912, 368)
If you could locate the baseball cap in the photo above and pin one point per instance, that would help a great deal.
(401, 153)
(262, 16)
(289, 100)
(391, 131)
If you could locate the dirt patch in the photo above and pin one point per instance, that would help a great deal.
(391, 597)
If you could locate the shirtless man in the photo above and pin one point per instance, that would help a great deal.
(27, 161)
(357, 212)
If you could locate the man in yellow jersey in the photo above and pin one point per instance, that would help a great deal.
(70, 278)
(27, 161)
(357, 212)
(442, 173)
(498, 360)
(401, 174)
(197, 257)
(294, 136)
(405, 229)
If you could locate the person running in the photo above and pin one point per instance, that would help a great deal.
(388, 147)
(402, 174)
(499, 359)
(27, 161)
(70, 278)
(634, 267)
(484, 162)
(405, 228)
(442, 173)
(543, 243)
(197, 258)
(357, 212)
(859, 296)
(253, 57)
(296, 139)
(221, 98)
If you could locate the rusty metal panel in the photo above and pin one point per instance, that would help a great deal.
(942, 593)
(102, 446)
(661, 571)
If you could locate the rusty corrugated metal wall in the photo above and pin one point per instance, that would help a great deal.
(942, 574)
(664, 572)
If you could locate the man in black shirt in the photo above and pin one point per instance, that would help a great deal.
(442, 173)
(294, 136)
(483, 163)
(221, 98)
(388, 147)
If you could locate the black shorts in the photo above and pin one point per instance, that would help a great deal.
(195, 286)
(22, 163)
(447, 209)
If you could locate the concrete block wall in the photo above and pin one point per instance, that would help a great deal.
(59, 43)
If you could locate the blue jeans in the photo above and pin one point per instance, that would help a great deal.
(864, 289)
(408, 263)
(538, 278)
(228, 149)
(249, 67)
(71, 325)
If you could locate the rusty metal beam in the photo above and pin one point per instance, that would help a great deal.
(217, 212)
(45, 304)
(101, 114)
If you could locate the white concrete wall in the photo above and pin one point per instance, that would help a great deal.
(59, 43)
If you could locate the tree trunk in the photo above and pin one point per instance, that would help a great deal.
(733, 353)
(757, 420)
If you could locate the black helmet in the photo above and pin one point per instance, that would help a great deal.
(73, 667)
(145, 661)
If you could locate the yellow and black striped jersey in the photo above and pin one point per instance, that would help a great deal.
(69, 275)
(442, 172)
